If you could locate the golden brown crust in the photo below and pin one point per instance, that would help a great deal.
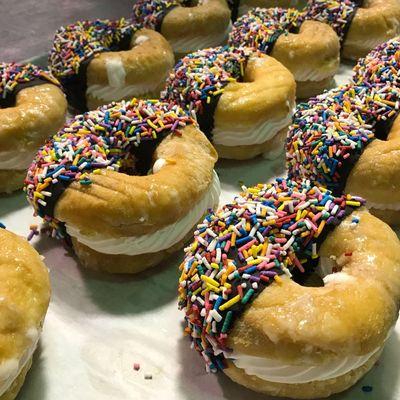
(25, 294)
(311, 390)
(11, 180)
(38, 113)
(289, 322)
(123, 205)
(375, 175)
(210, 18)
(145, 64)
(267, 92)
(270, 148)
(374, 23)
(315, 49)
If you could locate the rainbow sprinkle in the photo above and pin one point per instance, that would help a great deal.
(268, 231)
(336, 13)
(102, 139)
(260, 28)
(330, 131)
(75, 43)
(150, 13)
(199, 79)
(13, 74)
(381, 66)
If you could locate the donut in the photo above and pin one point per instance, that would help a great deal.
(187, 26)
(241, 7)
(345, 139)
(309, 49)
(32, 106)
(380, 66)
(102, 61)
(290, 290)
(243, 100)
(360, 24)
(125, 183)
(25, 295)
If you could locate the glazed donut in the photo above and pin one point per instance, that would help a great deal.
(127, 182)
(250, 310)
(102, 61)
(360, 24)
(188, 26)
(344, 141)
(242, 100)
(241, 7)
(32, 106)
(309, 49)
(25, 295)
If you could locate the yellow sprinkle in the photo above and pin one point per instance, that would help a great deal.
(278, 279)
(353, 203)
(229, 303)
(214, 265)
(209, 280)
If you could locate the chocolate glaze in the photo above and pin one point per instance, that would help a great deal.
(11, 97)
(358, 4)
(75, 86)
(164, 13)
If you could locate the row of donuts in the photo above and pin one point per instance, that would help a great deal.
(85, 59)
(245, 283)
(229, 263)
(293, 289)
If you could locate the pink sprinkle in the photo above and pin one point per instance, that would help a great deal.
(136, 366)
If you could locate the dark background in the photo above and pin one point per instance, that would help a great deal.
(27, 26)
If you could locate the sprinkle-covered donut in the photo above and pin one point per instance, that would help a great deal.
(241, 7)
(381, 66)
(309, 49)
(360, 24)
(245, 289)
(127, 182)
(243, 100)
(345, 139)
(187, 25)
(32, 106)
(25, 295)
(101, 61)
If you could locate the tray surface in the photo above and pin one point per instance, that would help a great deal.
(98, 327)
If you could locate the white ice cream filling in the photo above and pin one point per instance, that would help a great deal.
(257, 133)
(156, 241)
(10, 369)
(189, 44)
(17, 159)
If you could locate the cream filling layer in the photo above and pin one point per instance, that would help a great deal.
(383, 206)
(108, 93)
(189, 44)
(10, 369)
(277, 371)
(15, 159)
(162, 239)
(251, 134)
(314, 75)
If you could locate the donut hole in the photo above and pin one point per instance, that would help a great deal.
(316, 271)
(382, 128)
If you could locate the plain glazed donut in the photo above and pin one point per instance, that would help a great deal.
(102, 61)
(309, 49)
(360, 24)
(122, 223)
(25, 294)
(242, 100)
(32, 106)
(187, 26)
(249, 311)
